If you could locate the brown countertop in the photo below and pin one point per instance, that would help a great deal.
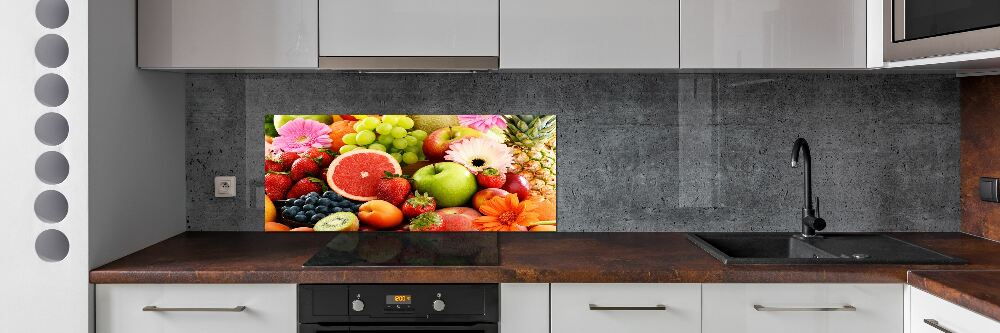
(978, 291)
(256, 257)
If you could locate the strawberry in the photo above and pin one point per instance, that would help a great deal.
(429, 221)
(393, 188)
(321, 156)
(304, 186)
(491, 178)
(273, 166)
(287, 158)
(304, 167)
(419, 204)
(276, 184)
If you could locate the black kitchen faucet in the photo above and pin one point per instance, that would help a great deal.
(810, 221)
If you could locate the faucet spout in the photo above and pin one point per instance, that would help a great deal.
(810, 222)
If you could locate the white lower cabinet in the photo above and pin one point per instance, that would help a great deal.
(524, 307)
(186, 308)
(629, 307)
(930, 314)
(802, 308)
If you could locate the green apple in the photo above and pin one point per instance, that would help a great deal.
(450, 183)
(281, 119)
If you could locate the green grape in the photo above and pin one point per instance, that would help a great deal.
(357, 126)
(368, 124)
(349, 138)
(365, 137)
(419, 134)
(390, 119)
(398, 132)
(400, 143)
(383, 128)
(405, 122)
(385, 139)
(347, 148)
(411, 140)
(412, 149)
(397, 156)
(410, 157)
(377, 146)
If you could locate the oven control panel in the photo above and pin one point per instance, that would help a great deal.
(395, 302)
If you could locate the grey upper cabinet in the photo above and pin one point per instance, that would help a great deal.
(780, 34)
(220, 34)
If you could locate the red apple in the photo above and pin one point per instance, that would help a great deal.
(517, 184)
(436, 144)
(458, 218)
(486, 194)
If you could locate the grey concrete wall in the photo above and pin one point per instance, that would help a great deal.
(638, 152)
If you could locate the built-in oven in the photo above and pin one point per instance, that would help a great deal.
(917, 29)
(383, 308)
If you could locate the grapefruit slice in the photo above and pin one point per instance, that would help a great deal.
(356, 174)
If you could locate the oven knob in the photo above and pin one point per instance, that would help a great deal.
(438, 305)
(358, 305)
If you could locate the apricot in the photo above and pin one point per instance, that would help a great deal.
(380, 214)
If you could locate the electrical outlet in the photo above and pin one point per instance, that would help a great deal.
(225, 186)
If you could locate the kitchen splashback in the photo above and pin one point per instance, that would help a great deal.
(638, 152)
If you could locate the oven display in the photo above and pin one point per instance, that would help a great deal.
(398, 299)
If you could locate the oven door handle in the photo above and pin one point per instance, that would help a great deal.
(418, 327)
(414, 327)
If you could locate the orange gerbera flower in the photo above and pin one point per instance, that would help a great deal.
(506, 213)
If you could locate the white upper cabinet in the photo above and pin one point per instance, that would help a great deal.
(589, 34)
(227, 34)
(779, 34)
(409, 28)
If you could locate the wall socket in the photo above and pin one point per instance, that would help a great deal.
(225, 186)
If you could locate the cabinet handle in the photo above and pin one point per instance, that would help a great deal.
(595, 307)
(768, 308)
(159, 309)
(934, 323)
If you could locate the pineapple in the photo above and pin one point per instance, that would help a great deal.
(534, 141)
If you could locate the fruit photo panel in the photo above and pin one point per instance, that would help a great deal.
(414, 173)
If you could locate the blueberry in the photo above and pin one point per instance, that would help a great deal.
(324, 202)
(329, 194)
(309, 212)
(293, 210)
(312, 195)
(316, 217)
(322, 209)
(310, 201)
(299, 202)
(337, 209)
(288, 213)
(301, 218)
(308, 207)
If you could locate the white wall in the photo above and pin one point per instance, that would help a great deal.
(125, 150)
(137, 185)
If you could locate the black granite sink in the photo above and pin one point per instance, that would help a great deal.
(831, 248)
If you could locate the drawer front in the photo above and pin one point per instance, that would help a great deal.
(803, 308)
(633, 308)
(269, 308)
(947, 316)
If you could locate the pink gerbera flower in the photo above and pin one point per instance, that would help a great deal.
(482, 123)
(300, 134)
